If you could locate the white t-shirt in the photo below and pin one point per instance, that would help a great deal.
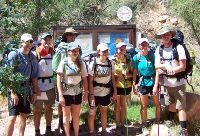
(72, 80)
(45, 70)
(168, 54)
(100, 91)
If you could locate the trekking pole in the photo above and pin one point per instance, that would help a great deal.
(124, 73)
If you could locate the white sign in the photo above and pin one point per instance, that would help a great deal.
(124, 13)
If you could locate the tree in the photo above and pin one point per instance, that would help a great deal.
(189, 10)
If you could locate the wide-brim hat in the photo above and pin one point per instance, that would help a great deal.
(70, 30)
(165, 29)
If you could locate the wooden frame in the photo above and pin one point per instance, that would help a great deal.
(96, 30)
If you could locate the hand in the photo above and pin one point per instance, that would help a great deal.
(134, 90)
(155, 91)
(62, 101)
(170, 71)
(160, 71)
(84, 98)
(14, 99)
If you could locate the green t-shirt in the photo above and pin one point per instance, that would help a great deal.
(145, 68)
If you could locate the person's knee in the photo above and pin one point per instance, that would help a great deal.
(143, 106)
(37, 110)
(92, 112)
(66, 120)
(48, 109)
(12, 119)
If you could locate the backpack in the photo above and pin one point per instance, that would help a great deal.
(149, 58)
(109, 84)
(179, 37)
(60, 53)
(189, 65)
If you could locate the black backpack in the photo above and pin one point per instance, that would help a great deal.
(189, 65)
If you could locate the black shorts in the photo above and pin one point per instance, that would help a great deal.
(102, 100)
(121, 91)
(145, 90)
(73, 99)
(23, 106)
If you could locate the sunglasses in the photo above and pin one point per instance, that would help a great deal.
(29, 42)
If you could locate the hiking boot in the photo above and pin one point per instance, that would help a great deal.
(118, 130)
(169, 123)
(48, 133)
(183, 132)
(104, 133)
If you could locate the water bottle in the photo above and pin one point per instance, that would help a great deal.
(192, 55)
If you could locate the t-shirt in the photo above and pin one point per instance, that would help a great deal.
(45, 70)
(121, 65)
(145, 68)
(72, 80)
(27, 64)
(168, 55)
(101, 91)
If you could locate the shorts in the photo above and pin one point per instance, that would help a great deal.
(121, 91)
(102, 100)
(175, 95)
(23, 106)
(145, 90)
(51, 95)
(73, 99)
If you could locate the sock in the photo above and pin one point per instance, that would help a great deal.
(170, 115)
(48, 127)
(183, 124)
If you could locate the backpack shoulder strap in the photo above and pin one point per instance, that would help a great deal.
(151, 57)
(175, 52)
(37, 53)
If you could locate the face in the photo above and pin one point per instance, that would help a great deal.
(122, 50)
(166, 38)
(71, 37)
(144, 46)
(48, 40)
(74, 53)
(103, 53)
(27, 45)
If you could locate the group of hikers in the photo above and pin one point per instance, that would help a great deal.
(98, 82)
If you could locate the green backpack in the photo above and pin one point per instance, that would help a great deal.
(60, 54)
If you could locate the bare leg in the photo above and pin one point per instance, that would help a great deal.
(37, 116)
(75, 115)
(103, 111)
(48, 114)
(123, 109)
(10, 125)
(22, 123)
(92, 113)
(157, 104)
(144, 102)
(66, 118)
(117, 110)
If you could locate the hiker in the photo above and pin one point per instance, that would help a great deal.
(123, 75)
(101, 87)
(60, 53)
(72, 87)
(46, 85)
(143, 64)
(170, 66)
(27, 65)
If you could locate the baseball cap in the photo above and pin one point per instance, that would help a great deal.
(44, 35)
(26, 37)
(102, 47)
(141, 40)
(72, 46)
(120, 44)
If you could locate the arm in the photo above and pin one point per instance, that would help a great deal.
(85, 89)
(60, 89)
(91, 90)
(135, 73)
(156, 84)
(114, 85)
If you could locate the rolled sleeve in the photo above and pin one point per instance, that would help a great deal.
(60, 67)
(84, 70)
(181, 52)
(157, 56)
(135, 62)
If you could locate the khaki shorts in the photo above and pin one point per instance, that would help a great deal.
(175, 95)
(51, 99)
